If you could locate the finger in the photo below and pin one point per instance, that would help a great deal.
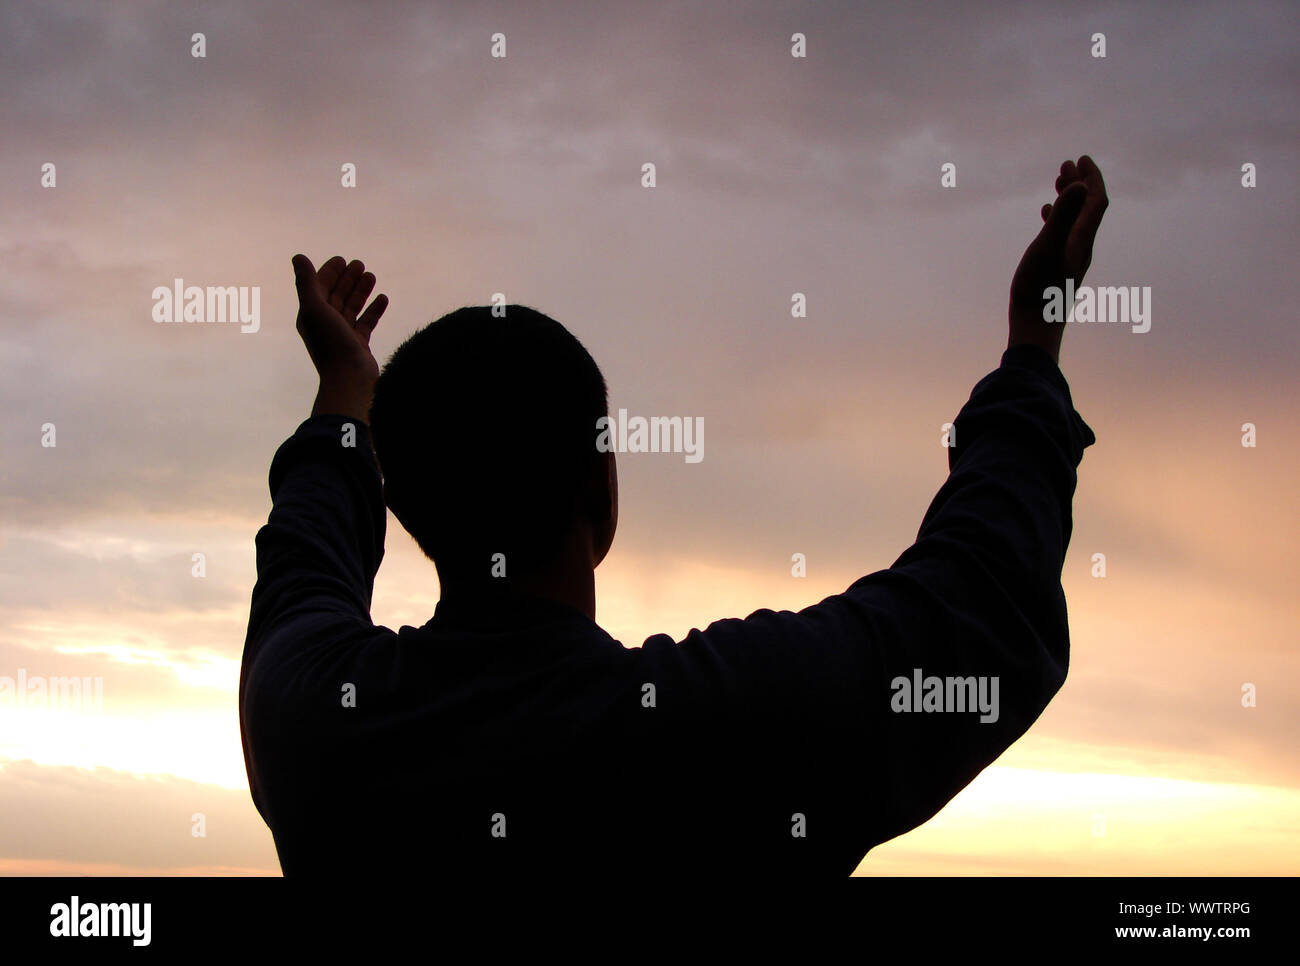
(1045, 211)
(1064, 181)
(1069, 174)
(329, 273)
(1098, 201)
(305, 279)
(360, 292)
(347, 281)
(1088, 169)
(1063, 214)
(370, 317)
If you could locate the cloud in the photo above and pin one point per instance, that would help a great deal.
(57, 820)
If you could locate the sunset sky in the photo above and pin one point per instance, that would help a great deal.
(775, 175)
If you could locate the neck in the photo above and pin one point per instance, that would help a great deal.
(570, 579)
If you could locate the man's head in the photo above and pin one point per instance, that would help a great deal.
(485, 429)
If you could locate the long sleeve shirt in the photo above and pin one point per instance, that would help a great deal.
(512, 736)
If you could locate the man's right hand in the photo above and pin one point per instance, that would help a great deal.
(1063, 249)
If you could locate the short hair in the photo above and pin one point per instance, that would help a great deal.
(485, 429)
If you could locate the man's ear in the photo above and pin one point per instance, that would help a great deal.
(602, 503)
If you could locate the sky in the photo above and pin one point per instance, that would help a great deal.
(775, 175)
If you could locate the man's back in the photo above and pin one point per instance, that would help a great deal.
(511, 736)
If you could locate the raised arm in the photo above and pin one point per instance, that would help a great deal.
(836, 701)
(322, 544)
(318, 553)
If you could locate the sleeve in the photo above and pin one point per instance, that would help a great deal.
(317, 555)
(977, 596)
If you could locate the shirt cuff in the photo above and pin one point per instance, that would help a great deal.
(322, 434)
(1037, 359)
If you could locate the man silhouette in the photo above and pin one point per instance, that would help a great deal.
(511, 736)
